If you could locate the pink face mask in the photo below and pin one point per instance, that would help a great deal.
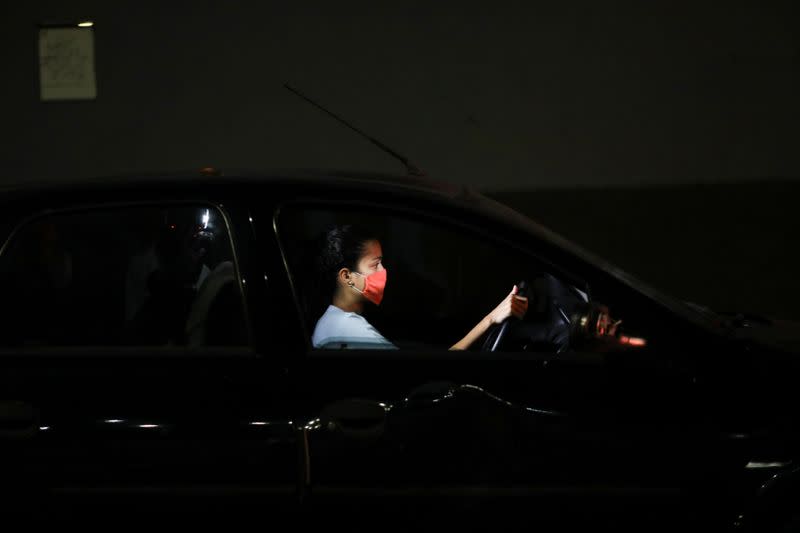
(373, 286)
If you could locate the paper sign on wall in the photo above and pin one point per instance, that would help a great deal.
(66, 63)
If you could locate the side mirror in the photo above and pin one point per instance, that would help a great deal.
(593, 324)
(593, 321)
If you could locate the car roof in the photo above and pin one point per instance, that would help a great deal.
(214, 176)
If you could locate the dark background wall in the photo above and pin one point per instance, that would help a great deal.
(731, 247)
(575, 112)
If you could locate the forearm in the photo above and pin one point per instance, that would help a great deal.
(474, 334)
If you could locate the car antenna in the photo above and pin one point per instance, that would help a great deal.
(412, 169)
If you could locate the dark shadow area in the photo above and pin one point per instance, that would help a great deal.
(730, 247)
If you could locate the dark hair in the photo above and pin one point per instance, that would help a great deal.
(337, 248)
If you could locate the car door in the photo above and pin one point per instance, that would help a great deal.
(573, 437)
(118, 397)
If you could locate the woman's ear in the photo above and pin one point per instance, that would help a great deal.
(344, 277)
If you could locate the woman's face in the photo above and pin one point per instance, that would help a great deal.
(370, 262)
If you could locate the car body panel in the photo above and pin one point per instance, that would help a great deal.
(438, 431)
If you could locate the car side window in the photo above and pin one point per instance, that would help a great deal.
(122, 276)
(441, 281)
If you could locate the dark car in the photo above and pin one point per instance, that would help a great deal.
(156, 361)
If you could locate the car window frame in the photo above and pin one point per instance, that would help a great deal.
(416, 214)
(248, 349)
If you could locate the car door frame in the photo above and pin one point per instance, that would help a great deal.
(255, 436)
(353, 198)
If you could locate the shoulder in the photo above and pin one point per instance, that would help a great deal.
(333, 317)
(340, 326)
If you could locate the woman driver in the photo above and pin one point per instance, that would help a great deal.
(350, 264)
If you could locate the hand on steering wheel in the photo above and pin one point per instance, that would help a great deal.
(512, 308)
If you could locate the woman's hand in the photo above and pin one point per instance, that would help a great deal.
(512, 305)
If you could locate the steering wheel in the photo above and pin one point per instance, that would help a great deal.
(546, 327)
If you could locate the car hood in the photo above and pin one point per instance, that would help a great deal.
(781, 334)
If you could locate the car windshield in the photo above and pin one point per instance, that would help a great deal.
(695, 313)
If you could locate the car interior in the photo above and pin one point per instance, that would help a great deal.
(441, 281)
(159, 276)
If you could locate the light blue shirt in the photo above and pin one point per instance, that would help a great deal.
(337, 329)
